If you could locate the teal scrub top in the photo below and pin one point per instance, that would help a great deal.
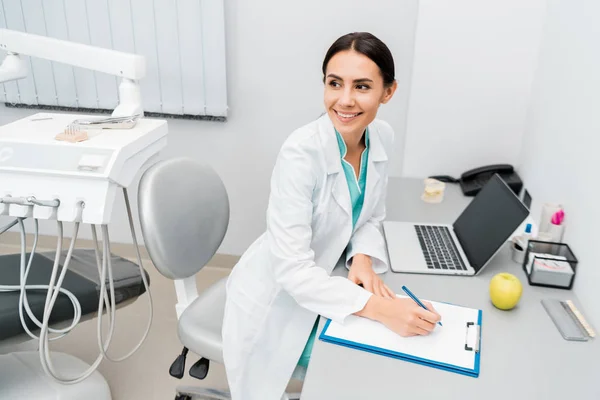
(357, 197)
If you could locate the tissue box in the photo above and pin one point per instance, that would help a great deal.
(549, 264)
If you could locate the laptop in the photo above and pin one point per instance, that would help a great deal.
(466, 246)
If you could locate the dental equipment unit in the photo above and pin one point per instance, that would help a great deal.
(69, 168)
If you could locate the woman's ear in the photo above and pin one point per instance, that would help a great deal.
(388, 92)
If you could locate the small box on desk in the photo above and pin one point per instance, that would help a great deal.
(550, 264)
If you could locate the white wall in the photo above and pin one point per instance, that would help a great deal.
(274, 55)
(469, 84)
(472, 76)
(559, 161)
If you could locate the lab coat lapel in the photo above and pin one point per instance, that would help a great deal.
(375, 164)
(340, 192)
(339, 189)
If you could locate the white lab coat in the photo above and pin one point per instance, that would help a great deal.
(283, 281)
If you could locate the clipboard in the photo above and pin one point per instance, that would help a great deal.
(455, 347)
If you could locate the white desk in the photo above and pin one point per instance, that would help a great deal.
(523, 356)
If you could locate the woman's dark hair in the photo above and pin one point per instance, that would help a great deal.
(368, 45)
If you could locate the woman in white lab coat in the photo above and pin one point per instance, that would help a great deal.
(328, 192)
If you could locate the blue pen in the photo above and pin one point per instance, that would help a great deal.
(412, 296)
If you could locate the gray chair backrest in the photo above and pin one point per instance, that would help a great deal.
(184, 214)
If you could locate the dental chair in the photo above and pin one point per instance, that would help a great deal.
(21, 373)
(184, 214)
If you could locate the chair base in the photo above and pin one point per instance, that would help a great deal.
(197, 393)
(22, 377)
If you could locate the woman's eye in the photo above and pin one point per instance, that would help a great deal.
(363, 87)
(334, 84)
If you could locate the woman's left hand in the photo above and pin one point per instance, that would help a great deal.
(361, 272)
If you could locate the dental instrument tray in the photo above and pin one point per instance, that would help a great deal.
(33, 164)
(107, 123)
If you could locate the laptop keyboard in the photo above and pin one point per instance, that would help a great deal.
(439, 248)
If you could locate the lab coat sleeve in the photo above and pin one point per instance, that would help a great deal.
(369, 239)
(289, 232)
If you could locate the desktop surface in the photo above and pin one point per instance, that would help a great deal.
(523, 356)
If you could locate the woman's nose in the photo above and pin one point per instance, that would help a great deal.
(347, 98)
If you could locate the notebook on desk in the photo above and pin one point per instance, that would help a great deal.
(466, 246)
(455, 347)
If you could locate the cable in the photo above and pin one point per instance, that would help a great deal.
(45, 358)
(23, 287)
(8, 226)
(112, 295)
(54, 288)
(99, 265)
(103, 299)
(107, 266)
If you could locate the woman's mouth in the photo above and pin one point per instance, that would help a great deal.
(346, 117)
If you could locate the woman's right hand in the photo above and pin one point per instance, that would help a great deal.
(401, 315)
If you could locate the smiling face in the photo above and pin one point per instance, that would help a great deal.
(354, 89)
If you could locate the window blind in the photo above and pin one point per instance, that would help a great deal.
(183, 42)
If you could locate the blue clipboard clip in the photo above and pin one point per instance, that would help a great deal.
(475, 346)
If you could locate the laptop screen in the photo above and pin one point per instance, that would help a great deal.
(489, 220)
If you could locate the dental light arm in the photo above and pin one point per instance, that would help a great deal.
(130, 67)
(13, 67)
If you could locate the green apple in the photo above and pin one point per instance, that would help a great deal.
(505, 290)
